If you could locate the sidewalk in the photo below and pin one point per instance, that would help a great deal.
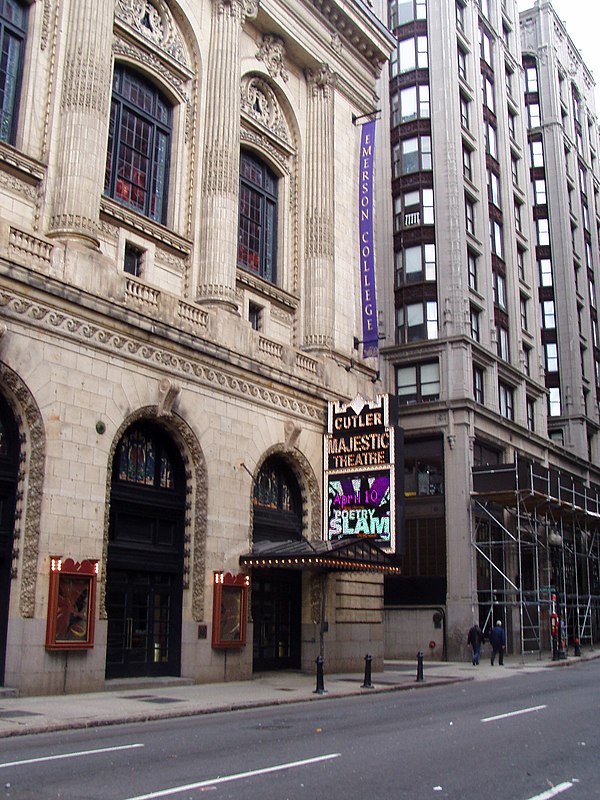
(141, 700)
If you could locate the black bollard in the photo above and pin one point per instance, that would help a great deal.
(367, 684)
(320, 682)
(420, 666)
(577, 647)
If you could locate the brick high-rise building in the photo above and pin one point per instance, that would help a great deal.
(489, 238)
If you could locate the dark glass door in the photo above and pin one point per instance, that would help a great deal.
(144, 623)
(276, 607)
(144, 580)
(9, 457)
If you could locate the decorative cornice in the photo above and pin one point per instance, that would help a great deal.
(147, 355)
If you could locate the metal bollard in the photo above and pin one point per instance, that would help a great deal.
(320, 682)
(420, 666)
(367, 683)
(577, 647)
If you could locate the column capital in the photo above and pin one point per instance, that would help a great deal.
(322, 80)
(240, 9)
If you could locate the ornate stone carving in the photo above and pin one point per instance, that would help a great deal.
(240, 9)
(319, 238)
(168, 392)
(15, 184)
(153, 20)
(85, 83)
(292, 432)
(29, 492)
(45, 25)
(323, 80)
(260, 102)
(271, 51)
(146, 59)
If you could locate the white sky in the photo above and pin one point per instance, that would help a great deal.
(582, 21)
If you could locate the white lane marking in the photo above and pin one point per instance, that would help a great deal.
(561, 787)
(513, 713)
(69, 755)
(237, 777)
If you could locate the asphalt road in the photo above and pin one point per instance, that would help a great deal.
(524, 737)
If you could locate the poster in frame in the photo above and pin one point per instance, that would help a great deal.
(71, 604)
(230, 609)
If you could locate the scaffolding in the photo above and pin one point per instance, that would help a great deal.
(536, 533)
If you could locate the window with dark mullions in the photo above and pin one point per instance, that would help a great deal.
(257, 232)
(139, 143)
(13, 23)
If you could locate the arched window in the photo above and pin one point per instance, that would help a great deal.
(13, 22)
(257, 232)
(277, 502)
(139, 143)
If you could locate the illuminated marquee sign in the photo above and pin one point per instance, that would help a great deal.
(361, 454)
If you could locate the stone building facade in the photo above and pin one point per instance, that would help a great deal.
(179, 295)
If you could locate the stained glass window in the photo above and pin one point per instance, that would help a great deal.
(276, 487)
(137, 161)
(139, 463)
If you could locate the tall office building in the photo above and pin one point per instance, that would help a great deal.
(493, 221)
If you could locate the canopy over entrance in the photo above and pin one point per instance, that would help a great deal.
(355, 554)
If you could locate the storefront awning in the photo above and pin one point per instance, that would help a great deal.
(347, 555)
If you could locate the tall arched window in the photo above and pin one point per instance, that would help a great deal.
(257, 233)
(13, 22)
(139, 143)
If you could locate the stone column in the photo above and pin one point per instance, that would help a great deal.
(319, 272)
(220, 188)
(84, 117)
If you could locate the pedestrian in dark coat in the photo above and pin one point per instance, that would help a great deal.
(475, 639)
(498, 642)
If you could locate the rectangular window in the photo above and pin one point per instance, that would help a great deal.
(514, 169)
(478, 392)
(543, 231)
(418, 383)
(133, 260)
(506, 397)
(530, 414)
(464, 112)
(551, 353)
(537, 154)
(255, 316)
(462, 64)
(500, 290)
(497, 238)
(412, 155)
(416, 322)
(533, 115)
(491, 140)
(548, 317)
(488, 93)
(472, 267)
(419, 264)
(475, 315)
(545, 266)
(470, 216)
(467, 164)
(485, 46)
(493, 188)
(523, 308)
(539, 192)
(554, 406)
(531, 80)
(502, 343)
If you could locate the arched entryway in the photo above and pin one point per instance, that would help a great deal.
(9, 465)
(276, 593)
(144, 580)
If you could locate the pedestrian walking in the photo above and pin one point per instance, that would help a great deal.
(475, 639)
(498, 642)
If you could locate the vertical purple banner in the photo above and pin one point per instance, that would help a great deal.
(370, 334)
